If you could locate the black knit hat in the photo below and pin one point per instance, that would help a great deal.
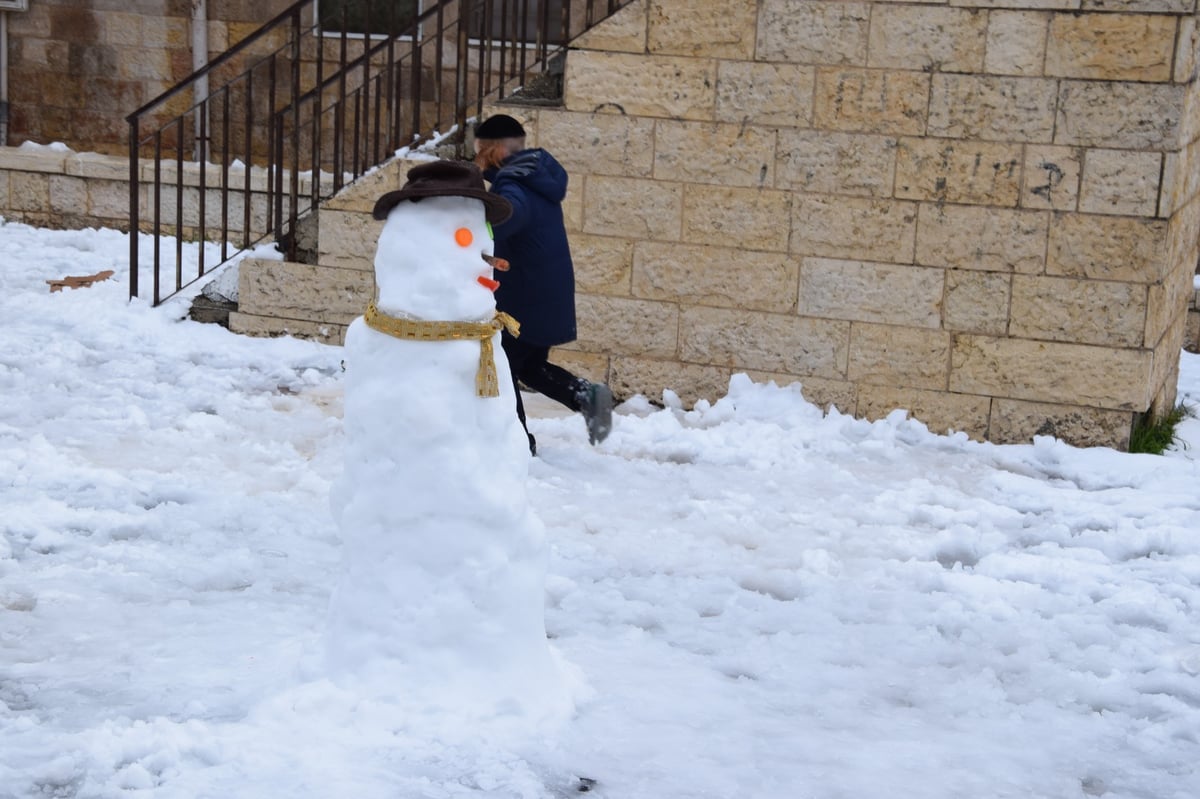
(445, 179)
(500, 126)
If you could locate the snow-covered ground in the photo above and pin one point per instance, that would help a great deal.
(765, 600)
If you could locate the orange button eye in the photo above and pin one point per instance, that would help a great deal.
(463, 237)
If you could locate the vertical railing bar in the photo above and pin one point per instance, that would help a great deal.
(294, 184)
(225, 176)
(158, 209)
(543, 31)
(438, 50)
(272, 156)
(415, 121)
(393, 134)
(135, 221)
(504, 50)
(485, 38)
(357, 132)
(178, 208)
(378, 94)
(339, 113)
(247, 191)
(366, 82)
(520, 38)
(202, 203)
(316, 126)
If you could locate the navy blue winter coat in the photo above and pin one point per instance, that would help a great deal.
(538, 290)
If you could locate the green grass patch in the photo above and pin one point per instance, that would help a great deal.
(1153, 436)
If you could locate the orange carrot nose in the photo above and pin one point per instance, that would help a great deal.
(488, 283)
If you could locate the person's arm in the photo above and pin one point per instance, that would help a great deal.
(520, 208)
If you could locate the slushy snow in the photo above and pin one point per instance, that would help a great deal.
(765, 599)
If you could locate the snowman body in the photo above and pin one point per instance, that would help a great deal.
(440, 603)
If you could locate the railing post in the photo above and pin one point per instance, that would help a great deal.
(462, 77)
(294, 185)
(134, 207)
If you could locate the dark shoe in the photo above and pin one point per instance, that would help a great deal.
(597, 411)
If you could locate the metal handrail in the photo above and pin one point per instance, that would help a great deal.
(285, 129)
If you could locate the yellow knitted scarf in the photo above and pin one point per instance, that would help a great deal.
(486, 384)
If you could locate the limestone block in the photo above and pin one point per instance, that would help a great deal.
(603, 264)
(1133, 116)
(70, 194)
(347, 239)
(1187, 48)
(121, 28)
(645, 86)
(14, 159)
(29, 191)
(1022, 5)
(572, 208)
(255, 325)
(1017, 422)
(992, 108)
(898, 356)
(871, 101)
(765, 94)
(1168, 301)
(944, 170)
(1016, 43)
(754, 219)
(1051, 177)
(1166, 365)
(940, 411)
(708, 275)
(890, 294)
(771, 342)
(4, 201)
(1120, 182)
(96, 165)
(1107, 248)
(360, 196)
(633, 208)
(138, 63)
(598, 144)
(627, 326)
(1111, 46)
(977, 302)
(1080, 311)
(649, 377)
(975, 237)
(1148, 6)
(933, 38)
(1183, 235)
(716, 153)
(1180, 180)
(835, 163)
(1044, 371)
(853, 228)
(588, 365)
(624, 31)
(825, 393)
(703, 28)
(815, 32)
(303, 291)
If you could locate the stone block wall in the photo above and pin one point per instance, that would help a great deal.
(983, 211)
(78, 67)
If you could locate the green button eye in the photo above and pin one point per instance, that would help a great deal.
(491, 235)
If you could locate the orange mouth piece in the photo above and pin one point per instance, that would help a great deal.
(488, 283)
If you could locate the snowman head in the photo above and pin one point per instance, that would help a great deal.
(431, 262)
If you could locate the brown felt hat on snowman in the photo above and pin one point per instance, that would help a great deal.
(445, 179)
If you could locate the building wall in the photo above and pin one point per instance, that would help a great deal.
(985, 215)
(78, 67)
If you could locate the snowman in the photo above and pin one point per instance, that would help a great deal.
(439, 608)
